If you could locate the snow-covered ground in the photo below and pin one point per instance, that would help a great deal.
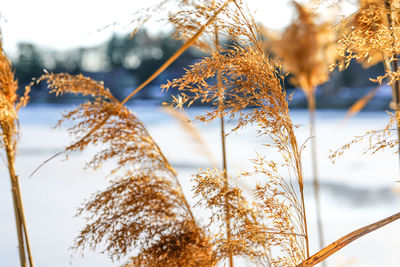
(356, 190)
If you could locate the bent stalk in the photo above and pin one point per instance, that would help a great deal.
(347, 239)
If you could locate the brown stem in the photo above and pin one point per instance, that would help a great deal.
(23, 220)
(23, 238)
(304, 219)
(396, 98)
(224, 164)
(21, 246)
(298, 169)
(347, 239)
(394, 68)
(227, 207)
(311, 109)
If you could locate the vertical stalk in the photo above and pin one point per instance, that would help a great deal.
(311, 100)
(21, 247)
(299, 171)
(394, 67)
(396, 100)
(23, 220)
(23, 239)
(303, 204)
(227, 208)
(224, 164)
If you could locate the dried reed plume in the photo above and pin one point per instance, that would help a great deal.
(371, 35)
(144, 211)
(249, 80)
(10, 104)
(306, 50)
(366, 35)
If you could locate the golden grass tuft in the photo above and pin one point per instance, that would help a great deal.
(144, 205)
(306, 49)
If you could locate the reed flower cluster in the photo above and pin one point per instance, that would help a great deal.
(250, 80)
(144, 206)
(306, 49)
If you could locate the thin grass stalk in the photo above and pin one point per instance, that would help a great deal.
(188, 127)
(396, 98)
(226, 181)
(395, 94)
(345, 240)
(394, 68)
(224, 161)
(311, 100)
(360, 104)
(298, 168)
(21, 246)
(24, 224)
(304, 219)
(23, 238)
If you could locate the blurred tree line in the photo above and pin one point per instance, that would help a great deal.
(123, 63)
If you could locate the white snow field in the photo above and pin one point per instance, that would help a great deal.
(357, 190)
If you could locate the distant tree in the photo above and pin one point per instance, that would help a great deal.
(29, 63)
(70, 61)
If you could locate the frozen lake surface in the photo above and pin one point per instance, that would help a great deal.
(357, 190)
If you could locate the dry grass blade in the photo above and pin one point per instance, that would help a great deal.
(360, 104)
(192, 131)
(347, 239)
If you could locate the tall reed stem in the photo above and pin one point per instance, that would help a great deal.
(304, 220)
(224, 164)
(23, 238)
(298, 168)
(227, 208)
(394, 68)
(311, 100)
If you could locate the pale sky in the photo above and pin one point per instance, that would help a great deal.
(66, 24)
